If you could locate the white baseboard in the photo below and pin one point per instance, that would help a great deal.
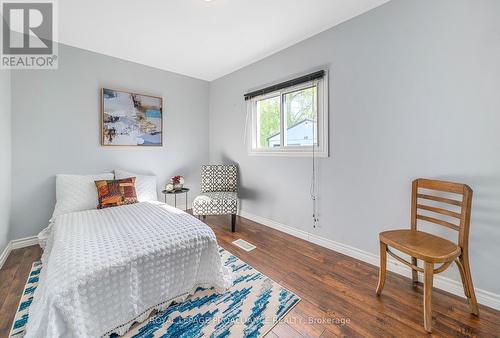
(5, 254)
(23, 242)
(449, 285)
(17, 244)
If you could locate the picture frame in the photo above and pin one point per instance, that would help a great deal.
(131, 119)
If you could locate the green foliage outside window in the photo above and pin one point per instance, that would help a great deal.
(269, 119)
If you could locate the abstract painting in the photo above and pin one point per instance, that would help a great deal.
(130, 119)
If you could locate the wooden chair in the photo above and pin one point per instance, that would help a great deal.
(430, 248)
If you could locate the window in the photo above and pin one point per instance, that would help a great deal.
(291, 121)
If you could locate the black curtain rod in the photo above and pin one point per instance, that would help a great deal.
(302, 79)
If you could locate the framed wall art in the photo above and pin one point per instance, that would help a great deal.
(130, 119)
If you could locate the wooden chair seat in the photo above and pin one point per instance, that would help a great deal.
(421, 245)
(433, 198)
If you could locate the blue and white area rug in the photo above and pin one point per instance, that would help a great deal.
(250, 308)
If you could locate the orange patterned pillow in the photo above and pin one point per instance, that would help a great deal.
(112, 193)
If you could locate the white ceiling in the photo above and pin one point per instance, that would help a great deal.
(202, 39)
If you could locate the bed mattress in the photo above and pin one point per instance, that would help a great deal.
(105, 269)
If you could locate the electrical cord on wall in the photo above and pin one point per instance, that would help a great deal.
(313, 176)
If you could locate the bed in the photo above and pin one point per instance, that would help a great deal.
(105, 269)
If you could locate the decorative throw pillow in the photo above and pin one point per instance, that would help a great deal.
(112, 193)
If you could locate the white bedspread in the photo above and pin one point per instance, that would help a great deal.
(104, 269)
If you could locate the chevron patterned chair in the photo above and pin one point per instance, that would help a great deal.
(219, 192)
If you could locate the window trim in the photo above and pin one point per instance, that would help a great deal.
(321, 150)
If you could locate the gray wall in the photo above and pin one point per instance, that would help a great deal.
(56, 129)
(414, 91)
(5, 157)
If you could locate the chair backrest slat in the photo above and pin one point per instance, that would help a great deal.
(438, 221)
(456, 188)
(461, 206)
(439, 210)
(440, 199)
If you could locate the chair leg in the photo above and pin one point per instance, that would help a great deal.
(428, 279)
(383, 268)
(204, 216)
(464, 268)
(233, 222)
(414, 273)
(464, 279)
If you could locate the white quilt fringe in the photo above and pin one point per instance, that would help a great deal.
(124, 328)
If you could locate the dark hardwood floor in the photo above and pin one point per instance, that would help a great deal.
(13, 277)
(338, 292)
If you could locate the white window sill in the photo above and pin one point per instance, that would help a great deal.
(288, 153)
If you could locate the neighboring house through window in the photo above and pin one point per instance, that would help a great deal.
(300, 134)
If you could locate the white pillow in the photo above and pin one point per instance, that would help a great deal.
(145, 186)
(77, 192)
